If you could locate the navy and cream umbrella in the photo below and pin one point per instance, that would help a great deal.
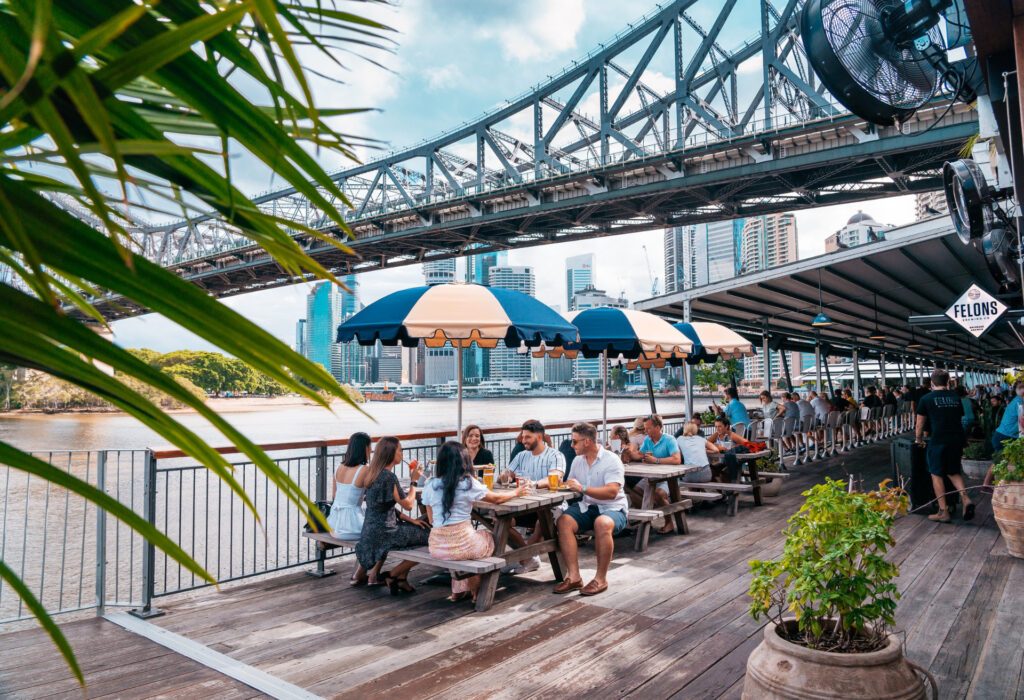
(713, 341)
(623, 335)
(460, 314)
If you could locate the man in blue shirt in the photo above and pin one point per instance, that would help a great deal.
(659, 448)
(1008, 428)
(734, 410)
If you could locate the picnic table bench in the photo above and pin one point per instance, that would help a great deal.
(653, 474)
(325, 541)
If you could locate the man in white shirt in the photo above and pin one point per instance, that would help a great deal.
(598, 475)
(821, 407)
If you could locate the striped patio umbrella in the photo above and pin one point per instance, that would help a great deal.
(713, 341)
(623, 335)
(460, 314)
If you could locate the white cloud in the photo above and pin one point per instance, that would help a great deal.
(444, 77)
(538, 29)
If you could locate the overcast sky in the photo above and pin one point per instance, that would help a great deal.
(454, 60)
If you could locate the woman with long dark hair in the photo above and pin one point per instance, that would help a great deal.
(386, 528)
(449, 500)
(346, 516)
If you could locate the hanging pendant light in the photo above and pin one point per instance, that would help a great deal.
(821, 320)
(876, 334)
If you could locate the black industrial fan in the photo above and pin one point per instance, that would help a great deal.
(979, 219)
(882, 59)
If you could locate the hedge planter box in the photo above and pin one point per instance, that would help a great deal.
(975, 468)
(1008, 509)
(779, 670)
(771, 487)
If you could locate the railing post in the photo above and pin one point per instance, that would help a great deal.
(148, 549)
(321, 495)
(101, 535)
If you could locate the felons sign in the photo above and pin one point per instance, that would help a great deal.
(976, 310)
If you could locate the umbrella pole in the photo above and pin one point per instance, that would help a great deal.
(650, 389)
(604, 395)
(458, 365)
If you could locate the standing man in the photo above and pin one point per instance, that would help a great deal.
(939, 412)
(598, 476)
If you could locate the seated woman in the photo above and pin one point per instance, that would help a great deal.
(385, 527)
(636, 438)
(729, 469)
(619, 433)
(449, 498)
(695, 448)
(473, 440)
(346, 516)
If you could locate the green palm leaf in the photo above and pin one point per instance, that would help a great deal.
(112, 79)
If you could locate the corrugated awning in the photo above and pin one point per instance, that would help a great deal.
(919, 270)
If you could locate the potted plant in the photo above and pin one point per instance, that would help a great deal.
(834, 578)
(769, 464)
(1008, 496)
(708, 417)
(976, 459)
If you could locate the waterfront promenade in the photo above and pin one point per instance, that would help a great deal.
(673, 623)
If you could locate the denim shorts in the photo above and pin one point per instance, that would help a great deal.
(585, 519)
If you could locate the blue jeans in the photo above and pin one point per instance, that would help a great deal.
(585, 519)
(998, 439)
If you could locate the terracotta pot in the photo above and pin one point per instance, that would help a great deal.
(771, 487)
(780, 670)
(975, 468)
(1008, 508)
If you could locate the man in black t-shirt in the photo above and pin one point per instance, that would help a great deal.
(872, 400)
(939, 412)
(919, 392)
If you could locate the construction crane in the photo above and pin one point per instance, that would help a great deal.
(650, 274)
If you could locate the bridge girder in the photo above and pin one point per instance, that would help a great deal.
(660, 126)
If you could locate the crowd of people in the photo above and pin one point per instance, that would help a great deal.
(372, 507)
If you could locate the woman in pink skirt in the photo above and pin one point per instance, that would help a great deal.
(449, 498)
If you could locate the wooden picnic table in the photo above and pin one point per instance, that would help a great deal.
(748, 460)
(655, 473)
(500, 519)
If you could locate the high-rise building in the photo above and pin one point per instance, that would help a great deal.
(579, 274)
(724, 241)
(477, 360)
(323, 315)
(388, 363)
(478, 267)
(769, 240)
(326, 307)
(860, 229)
(300, 336)
(753, 368)
(686, 257)
(439, 271)
(588, 370)
(929, 204)
(508, 363)
(439, 364)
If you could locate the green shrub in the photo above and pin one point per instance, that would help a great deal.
(980, 450)
(1009, 464)
(832, 574)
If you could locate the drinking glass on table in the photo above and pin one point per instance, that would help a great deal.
(489, 478)
(554, 479)
(525, 484)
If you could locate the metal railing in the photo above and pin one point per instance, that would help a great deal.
(74, 557)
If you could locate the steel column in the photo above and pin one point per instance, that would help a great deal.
(148, 548)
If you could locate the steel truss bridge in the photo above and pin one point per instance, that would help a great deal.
(662, 126)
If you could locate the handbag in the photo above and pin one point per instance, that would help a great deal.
(312, 524)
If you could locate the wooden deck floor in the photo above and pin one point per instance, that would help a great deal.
(673, 623)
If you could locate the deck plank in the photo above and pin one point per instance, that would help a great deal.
(674, 622)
